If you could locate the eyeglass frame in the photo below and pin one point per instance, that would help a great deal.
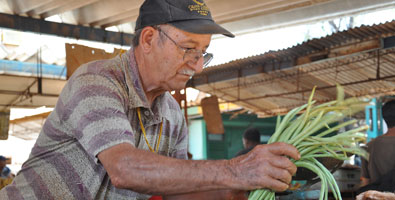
(207, 57)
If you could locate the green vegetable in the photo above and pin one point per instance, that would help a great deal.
(309, 133)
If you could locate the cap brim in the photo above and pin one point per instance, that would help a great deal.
(201, 26)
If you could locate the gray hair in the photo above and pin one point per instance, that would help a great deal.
(136, 38)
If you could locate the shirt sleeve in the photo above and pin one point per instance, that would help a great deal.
(365, 163)
(95, 111)
(364, 171)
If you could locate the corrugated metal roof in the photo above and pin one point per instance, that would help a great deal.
(273, 83)
(353, 35)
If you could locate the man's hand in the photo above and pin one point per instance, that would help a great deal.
(266, 166)
(376, 195)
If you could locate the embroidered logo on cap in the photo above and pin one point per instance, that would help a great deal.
(200, 8)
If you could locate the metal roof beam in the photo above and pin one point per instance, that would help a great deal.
(30, 118)
(309, 90)
(308, 14)
(103, 10)
(70, 6)
(47, 7)
(116, 20)
(64, 30)
(22, 6)
(243, 71)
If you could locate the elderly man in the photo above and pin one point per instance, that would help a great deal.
(117, 133)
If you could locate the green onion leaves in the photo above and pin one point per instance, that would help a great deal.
(312, 129)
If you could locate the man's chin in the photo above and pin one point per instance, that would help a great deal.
(179, 86)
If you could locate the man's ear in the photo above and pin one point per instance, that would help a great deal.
(147, 38)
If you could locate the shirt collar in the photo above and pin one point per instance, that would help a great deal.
(133, 80)
(136, 87)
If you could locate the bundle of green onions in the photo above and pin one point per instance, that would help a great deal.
(309, 133)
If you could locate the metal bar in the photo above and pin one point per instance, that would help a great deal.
(378, 65)
(31, 77)
(238, 83)
(19, 106)
(218, 73)
(24, 92)
(297, 105)
(232, 96)
(64, 30)
(19, 94)
(309, 90)
(30, 118)
(213, 77)
(39, 72)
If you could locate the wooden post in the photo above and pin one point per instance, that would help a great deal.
(4, 124)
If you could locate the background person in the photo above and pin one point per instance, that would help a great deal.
(251, 138)
(379, 172)
(5, 171)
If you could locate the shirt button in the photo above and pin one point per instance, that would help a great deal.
(146, 113)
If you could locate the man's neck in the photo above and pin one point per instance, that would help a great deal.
(391, 132)
(251, 145)
(150, 90)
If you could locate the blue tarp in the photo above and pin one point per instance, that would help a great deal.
(30, 69)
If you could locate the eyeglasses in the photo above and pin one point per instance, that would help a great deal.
(189, 53)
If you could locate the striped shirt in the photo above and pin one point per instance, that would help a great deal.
(96, 110)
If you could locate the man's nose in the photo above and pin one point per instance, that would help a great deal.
(197, 65)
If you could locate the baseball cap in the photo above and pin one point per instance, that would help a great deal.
(188, 15)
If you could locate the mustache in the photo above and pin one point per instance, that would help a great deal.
(188, 72)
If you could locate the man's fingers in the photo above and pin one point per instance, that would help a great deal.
(285, 149)
(277, 185)
(271, 164)
(280, 174)
(285, 163)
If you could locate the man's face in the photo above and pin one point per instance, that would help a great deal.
(2, 164)
(245, 143)
(174, 66)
